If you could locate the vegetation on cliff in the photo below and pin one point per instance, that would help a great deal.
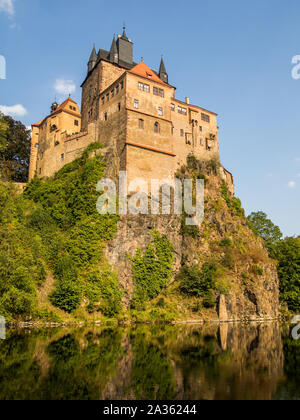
(54, 230)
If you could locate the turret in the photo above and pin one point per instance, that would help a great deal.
(113, 54)
(93, 60)
(54, 106)
(163, 75)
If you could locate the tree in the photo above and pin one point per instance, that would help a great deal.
(265, 228)
(3, 130)
(287, 252)
(14, 150)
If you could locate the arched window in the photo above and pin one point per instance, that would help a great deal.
(156, 128)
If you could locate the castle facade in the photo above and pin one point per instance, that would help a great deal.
(132, 110)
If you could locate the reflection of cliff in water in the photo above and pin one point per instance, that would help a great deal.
(146, 362)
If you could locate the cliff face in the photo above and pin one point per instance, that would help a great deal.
(247, 286)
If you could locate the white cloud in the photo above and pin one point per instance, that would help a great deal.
(292, 184)
(64, 87)
(7, 6)
(13, 111)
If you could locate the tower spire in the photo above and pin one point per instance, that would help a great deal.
(163, 75)
(124, 36)
(93, 59)
(113, 54)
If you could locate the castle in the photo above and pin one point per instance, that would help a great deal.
(131, 109)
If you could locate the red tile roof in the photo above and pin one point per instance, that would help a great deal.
(144, 71)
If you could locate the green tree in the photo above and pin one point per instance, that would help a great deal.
(265, 228)
(3, 130)
(14, 150)
(287, 252)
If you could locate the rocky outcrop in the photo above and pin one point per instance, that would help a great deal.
(249, 276)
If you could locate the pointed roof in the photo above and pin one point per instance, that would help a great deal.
(162, 68)
(93, 56)
(124, 36)
(144, 71)
(113, 48)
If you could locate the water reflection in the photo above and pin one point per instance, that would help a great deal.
(151, 362)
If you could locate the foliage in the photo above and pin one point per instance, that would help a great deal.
(226, 242)
(55, 227)
(233, 203)
(152, 271)
(3, 131)
(287, 252)
(22, 268)
(15, 141)
(257, 270)
(265, 228)
(193, 282)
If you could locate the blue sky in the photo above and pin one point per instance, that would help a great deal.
(233, 57)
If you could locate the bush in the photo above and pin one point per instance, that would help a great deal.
(198, 283)
(153, 270)
(226, 242)
(257, 270)
(67, 296)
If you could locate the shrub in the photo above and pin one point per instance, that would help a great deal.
(152, 271)
(198, 283)
(67, 296)
(226, 242)
(257, 270)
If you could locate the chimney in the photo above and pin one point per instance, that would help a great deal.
(187, 100)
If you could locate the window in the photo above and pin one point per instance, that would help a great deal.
(136, 104)
(76, 122)
(158, 92)
(172, 107)
(181, 133)
(149, 75)
(107, 97)
(117, 90)
(62, 157)
(37, 145)
(36, 134)
(156, 128)
(145, 88)
(200, 128)
(122, 84)
(105, 116)
(103, 100)
(113, 93)
(160, 111)
(205, 117)
(141, 124)
(181, 110)
(119, 106)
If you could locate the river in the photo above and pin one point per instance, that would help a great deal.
(209, 362)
